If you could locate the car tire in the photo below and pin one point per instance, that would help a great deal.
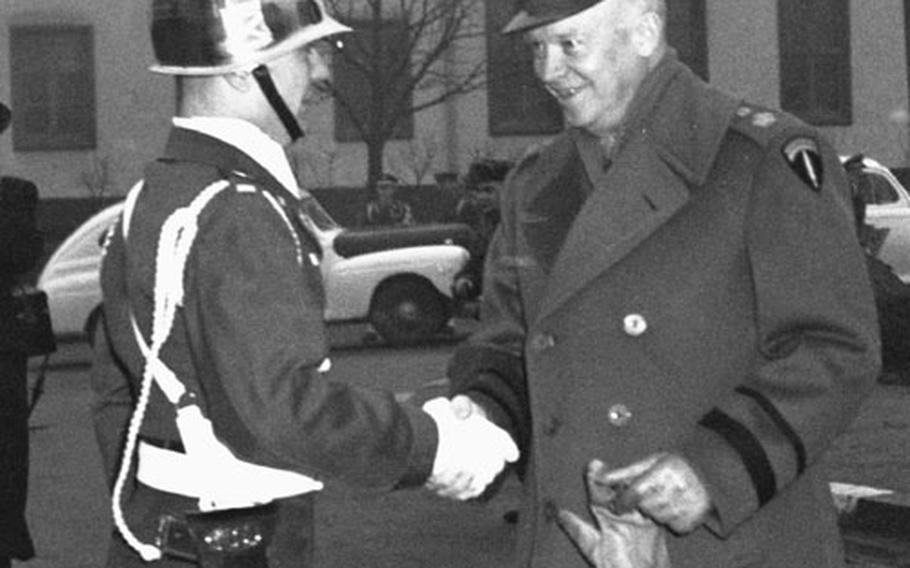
(408, 311)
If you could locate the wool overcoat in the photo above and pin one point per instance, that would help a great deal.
(704, 295)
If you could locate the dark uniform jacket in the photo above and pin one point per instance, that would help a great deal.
(21, 245)
(704, 298)
(249, 337)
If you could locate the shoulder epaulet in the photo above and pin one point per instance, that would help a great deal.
(760, 124)
(796, 142)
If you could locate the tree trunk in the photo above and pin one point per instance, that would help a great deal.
(375, 149)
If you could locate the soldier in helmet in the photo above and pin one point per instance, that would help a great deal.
(216, 408)
(677, 321)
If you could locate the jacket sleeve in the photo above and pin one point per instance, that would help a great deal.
(112, 401)
(489, 366)
(260, 312)
(817, 337)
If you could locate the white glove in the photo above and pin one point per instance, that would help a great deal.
(471, 453)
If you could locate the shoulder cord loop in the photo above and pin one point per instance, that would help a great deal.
(177, 235)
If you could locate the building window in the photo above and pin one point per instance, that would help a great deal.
(687, 32)
(516, 102)
(372, 81)
(815, 60)
(53, 87)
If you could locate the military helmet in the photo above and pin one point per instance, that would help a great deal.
(212, 37)
(536, 13)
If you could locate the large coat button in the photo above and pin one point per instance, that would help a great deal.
(542, 342)
(634, 325)
(619, 415)
(550, 511)
(552, 426)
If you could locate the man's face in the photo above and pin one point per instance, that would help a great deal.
(591, 63)
(301, 75)
(385, 191)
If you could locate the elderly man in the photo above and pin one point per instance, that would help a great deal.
(677, 319)
(212, 361)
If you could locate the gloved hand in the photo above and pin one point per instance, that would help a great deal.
(471, 452)
(619, 540)
(664, 488)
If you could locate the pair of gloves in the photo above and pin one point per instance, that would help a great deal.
(632, 506)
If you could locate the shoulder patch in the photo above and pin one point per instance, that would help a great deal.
(803, 157)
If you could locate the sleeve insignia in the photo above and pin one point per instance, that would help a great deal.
(804, 159)
(764, 119)
(743, 111)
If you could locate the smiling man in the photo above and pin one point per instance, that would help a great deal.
(677, 320)
(216, 409)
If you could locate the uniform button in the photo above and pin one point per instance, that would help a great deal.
(542, 342)
(550, 511)
(552, 426)
(634, 325)
(619, 415)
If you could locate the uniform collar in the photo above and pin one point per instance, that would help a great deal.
(250, 140)
(677, 113)
(685, 119)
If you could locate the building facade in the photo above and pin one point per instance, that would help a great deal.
(87, 113)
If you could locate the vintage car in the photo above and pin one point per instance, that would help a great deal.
(887, 210)
(403, 281)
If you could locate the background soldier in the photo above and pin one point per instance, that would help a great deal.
(20, 249)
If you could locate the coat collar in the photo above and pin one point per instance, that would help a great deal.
(184, 145)
(664, 154)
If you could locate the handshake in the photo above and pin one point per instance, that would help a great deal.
(472, 450)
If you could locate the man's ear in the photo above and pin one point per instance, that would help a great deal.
(240, 80)
(646, 37)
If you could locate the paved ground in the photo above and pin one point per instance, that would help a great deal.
(68, 502)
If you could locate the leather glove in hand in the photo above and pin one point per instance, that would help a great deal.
(617, 541)
(665, 488)
(471, 453)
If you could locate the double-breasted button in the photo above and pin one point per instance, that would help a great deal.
(634, 325)
(542, 342)
(619, 415)
(552, 426)
(550, 511)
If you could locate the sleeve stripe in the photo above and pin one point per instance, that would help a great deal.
(781, 424)
(750, 451)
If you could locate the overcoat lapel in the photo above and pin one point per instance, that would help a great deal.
(664, 159)
(612, 222)
(554, 198)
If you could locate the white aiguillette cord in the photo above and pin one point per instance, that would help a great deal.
(177, 236)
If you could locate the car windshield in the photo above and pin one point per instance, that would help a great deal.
(875, 189)
(312, 209)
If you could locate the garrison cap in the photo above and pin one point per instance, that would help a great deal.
(536, 13)
(5, 117)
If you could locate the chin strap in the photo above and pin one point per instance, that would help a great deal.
(262, 76)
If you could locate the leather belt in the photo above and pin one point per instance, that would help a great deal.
(172, 445)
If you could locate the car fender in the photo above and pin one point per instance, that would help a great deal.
(351, 282)
(70, 276)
